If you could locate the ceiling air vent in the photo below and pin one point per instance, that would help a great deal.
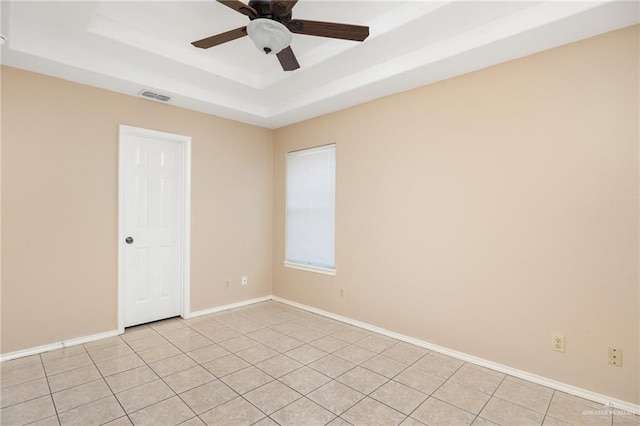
(154, 95)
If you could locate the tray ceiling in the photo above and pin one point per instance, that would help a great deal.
(128, 46)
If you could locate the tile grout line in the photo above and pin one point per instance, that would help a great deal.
(76, 386)
(162, 378)
(546, 412)
(354, 343)
(348, 344)
(108, 386)
(86, 352)
(53, 401)
(250, 365)
(24, 383)
(220, 378)
(436, 389)
(130, 369)
(127, 342)
(284, 325)
(392, 380)
(376, 354)
(277, 379)
(302, 396)
(527, 408)
(490, 397)
(254, 365)
(274, 380)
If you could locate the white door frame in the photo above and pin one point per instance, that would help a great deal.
(185, 141)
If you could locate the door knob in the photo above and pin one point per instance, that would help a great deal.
(128, 240)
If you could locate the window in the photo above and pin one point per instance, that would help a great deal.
(311, 202)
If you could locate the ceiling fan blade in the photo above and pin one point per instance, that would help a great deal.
(215, 40)
(282, 7)
(288, 59)
(328, 29)
(238, 6)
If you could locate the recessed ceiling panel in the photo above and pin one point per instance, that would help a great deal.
(129, 46)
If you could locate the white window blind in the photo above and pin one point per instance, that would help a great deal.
(311, 202)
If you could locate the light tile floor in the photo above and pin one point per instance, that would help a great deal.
(271, 364)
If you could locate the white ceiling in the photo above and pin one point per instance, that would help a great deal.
(127, 46)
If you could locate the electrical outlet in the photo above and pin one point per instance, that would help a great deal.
(557, 342)
(615, 356)
(341, 293)
(227, 284)
(245, 280)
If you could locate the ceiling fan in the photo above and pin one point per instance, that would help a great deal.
(271, 25)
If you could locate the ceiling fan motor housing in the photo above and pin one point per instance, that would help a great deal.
(266, 10)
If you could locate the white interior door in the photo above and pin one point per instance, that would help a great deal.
(152, 224)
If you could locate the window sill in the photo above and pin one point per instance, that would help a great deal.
(308, 268)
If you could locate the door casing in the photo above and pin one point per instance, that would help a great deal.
(185, 142)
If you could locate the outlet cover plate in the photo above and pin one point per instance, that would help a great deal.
(615, 357)
(557, 342)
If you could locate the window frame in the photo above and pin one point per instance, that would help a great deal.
(303, 266)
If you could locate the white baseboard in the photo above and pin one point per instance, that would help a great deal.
(570, 389)
(93, 337)
(57, 345)
(227, 307)
(564, 387)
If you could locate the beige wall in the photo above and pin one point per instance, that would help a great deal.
(59, 210)
(482, 213)
(485, 212)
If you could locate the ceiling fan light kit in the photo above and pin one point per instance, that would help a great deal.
(270, 29)
(268, 35)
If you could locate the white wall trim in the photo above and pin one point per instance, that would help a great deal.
(57, 345)
(316, 269)
(185, 141)
(230, 306)
(186, 232)
(564, 387)
(99, 336)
